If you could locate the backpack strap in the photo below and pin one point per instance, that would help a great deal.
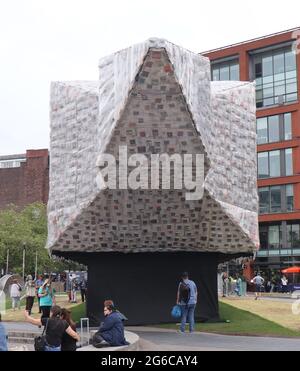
(45, 327)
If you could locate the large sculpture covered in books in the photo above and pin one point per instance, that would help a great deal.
(152, 172)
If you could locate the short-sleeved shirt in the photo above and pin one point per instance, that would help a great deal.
(258, 280)
(56, 329)
(45, 301)
(193, 292)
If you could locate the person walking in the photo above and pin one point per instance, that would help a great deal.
(3, 337)
(83, 289)
(29, 293)
(258, 281)
(284, 284)
(225, 284)
(55, 329)
(39, 283)
(15, 294)
(187, 299)
(46, 298)
(68, 343)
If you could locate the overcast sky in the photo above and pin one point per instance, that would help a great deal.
(49, 40)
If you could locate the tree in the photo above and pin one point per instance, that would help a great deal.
(27, 228)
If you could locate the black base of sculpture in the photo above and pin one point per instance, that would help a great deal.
(143, 286)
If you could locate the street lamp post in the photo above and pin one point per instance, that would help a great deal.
(24, 251)
(7, 260)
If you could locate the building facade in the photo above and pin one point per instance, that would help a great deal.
(24, 178)
(273, 62)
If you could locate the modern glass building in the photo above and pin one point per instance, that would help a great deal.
(273, 62)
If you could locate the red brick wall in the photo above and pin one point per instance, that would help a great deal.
(28, 183)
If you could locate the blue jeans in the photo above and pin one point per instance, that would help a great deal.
(188, 312)
(52, 349)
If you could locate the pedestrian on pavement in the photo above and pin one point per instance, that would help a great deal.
(46, 298)
(39, 283)
(258, 281)
(238, 287)
(3, 337)
(15, 294)
(187, 299)
(55, 329)
(68, 343)
(225, 284)
(29, 293)
(284, 284)
(83, 289)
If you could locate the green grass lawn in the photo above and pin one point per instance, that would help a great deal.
(78, 312)
(241, 323)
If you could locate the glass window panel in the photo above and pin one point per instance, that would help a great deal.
(263, 235)
(274, 237)
(275, 193)
(289, 197)
(264, 200)
(278, 63)
(288, 162)
(274, 163)
(224, 73)
(290, 61)
(268, 92)
(291, 97)
(291, 88)
(263, 165)
(235, 72)
(267, 66)
(215, 74)
(262, 130)
(274, 135)
(288, 126)
(295, 235)
(279, 90)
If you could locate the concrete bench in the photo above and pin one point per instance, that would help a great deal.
(131, 337)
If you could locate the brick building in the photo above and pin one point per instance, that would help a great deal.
(24, 178)
(272, 61)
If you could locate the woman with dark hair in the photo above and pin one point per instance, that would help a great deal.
(55, 329)
(68, 343)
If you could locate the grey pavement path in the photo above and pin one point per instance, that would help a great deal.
(170, 340)
(20, 326)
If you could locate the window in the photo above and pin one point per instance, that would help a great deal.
(223, 71)
(276, 77)
(275, 236)
(293, 235)
(263, 165)
(275, 194)
(276, 199)
(289, 197)
(288, 161)
(275, 163)
(7, 164)
(274, 128)
(264, 200)
(274, 158)
(262, 131)
(287, 121)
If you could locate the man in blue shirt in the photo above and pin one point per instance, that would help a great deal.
(3, 339)
(187, 299)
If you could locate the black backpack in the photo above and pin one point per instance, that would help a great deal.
(184, 293)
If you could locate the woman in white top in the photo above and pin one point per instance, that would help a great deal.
(30, 293)
(15, 294)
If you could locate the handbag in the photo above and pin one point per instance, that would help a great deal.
(40, 341)
(176, 311)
